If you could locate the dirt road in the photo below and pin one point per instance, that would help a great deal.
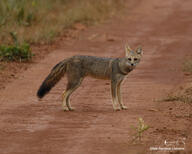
(29, 126)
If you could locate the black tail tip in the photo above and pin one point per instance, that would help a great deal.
(43, 90)
(40, 94)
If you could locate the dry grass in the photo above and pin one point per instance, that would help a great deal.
(34, 20)
(139, 130)
(182, 94)
(181, 98)
(187, 66)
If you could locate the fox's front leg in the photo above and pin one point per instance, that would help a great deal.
(114, 95)
(123, 107)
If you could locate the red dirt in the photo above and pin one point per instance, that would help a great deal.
(29, 126)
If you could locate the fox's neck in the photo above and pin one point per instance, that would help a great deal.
(123, 68)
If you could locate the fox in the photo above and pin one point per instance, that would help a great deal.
(78, 67)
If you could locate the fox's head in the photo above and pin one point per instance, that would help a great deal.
(131, 59)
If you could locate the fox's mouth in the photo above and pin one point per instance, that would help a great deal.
(133, 66)
(128, 69)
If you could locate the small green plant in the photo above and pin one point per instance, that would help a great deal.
(140, 129)
(15, 52)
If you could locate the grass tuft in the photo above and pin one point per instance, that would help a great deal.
(15, 52)
(183, 94)
(140, 129)
(187, 66)
(181, 98)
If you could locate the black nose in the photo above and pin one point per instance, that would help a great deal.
(131, 64)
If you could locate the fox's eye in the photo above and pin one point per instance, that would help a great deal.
(135, 59)
(129, 59)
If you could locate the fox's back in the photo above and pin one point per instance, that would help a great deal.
(98, 67)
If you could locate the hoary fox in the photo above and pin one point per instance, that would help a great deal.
(78, 67)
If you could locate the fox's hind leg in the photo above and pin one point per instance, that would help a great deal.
(64, 105)
(74, 81)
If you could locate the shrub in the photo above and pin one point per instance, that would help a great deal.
(15, 52)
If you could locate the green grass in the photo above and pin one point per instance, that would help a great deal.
(15, 52)
(42, 20)
(19, 52)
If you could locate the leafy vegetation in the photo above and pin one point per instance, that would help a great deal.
(140, 129)
(15, 52)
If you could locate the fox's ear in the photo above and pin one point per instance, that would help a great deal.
(139, 50)
(127, 50)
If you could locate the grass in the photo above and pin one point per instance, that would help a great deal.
(37, 21)
(187, 66)
(182, 95)
(16, 51)
(181, 98)
(140, 129)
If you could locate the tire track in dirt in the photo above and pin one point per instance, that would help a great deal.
(29, 126)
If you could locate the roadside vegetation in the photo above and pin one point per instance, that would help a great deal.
(16, 51)
(183, 93)
(42, 20)
(37, 21)
(187, 66)
(28, 26)
(139, 130)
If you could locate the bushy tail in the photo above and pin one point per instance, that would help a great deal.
(57, 72)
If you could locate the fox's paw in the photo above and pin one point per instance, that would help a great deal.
(124, 107)
(117, 109)
(71, 109)
(65, 108)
